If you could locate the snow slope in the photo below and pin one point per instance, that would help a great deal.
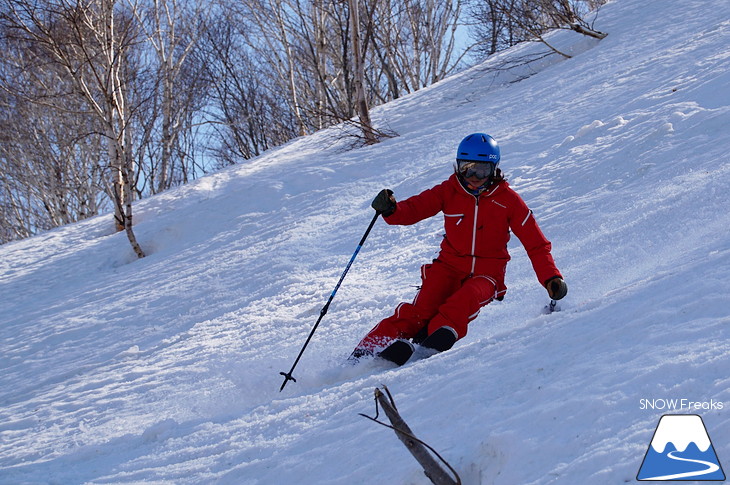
(166, 369)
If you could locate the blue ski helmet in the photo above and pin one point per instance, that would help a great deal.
(479, 147)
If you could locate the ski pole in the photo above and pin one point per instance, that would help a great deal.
(287, 375)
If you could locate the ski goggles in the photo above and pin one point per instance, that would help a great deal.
(480, 170)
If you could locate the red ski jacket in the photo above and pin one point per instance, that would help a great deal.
(478, 228)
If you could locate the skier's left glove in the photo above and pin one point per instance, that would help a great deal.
(384, 203)
(556, 288)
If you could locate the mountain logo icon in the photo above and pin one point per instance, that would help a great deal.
(681, 450)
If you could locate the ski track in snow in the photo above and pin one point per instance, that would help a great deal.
(166, 370)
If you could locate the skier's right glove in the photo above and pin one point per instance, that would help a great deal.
(384, 202)
(556, 288)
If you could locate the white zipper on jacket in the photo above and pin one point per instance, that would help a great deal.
(474, 236)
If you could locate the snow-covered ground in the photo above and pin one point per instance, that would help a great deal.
(166, 369)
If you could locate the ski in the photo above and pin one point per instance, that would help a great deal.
(401, 351)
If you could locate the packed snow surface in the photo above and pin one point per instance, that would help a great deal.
(166, 369)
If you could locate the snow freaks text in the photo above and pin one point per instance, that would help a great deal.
(662, 404)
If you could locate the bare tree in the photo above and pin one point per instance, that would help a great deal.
(308, 46)
(49, 158)
(414, 44)
(172, 29)
(247, 111)
(268, 31)
(504, 23)
(303, 50)
(494, 28)
(145, 94)
(93, 43)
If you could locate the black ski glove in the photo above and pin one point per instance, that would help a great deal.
(556, 288)
(384, 202)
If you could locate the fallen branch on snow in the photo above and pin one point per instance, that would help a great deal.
(420, 450)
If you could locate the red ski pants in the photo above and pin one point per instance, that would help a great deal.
(446, 298)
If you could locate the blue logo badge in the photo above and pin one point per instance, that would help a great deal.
(681, 450)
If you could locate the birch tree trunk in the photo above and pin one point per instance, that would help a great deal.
(361, 101)
(115, 111)
(291, 71)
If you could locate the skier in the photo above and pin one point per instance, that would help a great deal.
(479, 209)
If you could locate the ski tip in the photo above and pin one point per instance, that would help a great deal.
(358, 355)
